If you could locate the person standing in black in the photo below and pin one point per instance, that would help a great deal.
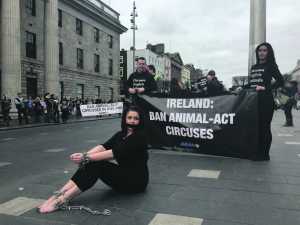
(64, 110)
(37, 109)
(141, 81)
(214, 86)
(48, 110)
(128, 175)
(260, 78)
(290, 89)
(55, 108)
(209, 85)
(6, 106)
(20, 106)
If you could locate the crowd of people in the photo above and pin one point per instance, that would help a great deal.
(47, 108)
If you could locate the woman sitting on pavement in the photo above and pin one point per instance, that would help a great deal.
(130, 175)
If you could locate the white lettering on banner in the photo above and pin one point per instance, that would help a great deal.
(158, 116)
(197, 103)
(190, 132)
(225, 118)
(188, 118)
(101, 109)
(196, 118)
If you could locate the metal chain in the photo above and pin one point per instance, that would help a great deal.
(65, 207)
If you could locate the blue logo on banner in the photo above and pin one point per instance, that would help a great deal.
(189, 145)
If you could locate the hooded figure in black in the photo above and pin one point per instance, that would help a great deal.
(261, 75)
(214, 86)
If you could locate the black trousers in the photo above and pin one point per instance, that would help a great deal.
(265, 115)
(6, 117)
(22, 114)
(288, 112)
(119, 179)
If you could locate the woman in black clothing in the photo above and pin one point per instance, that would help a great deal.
(260, 78)
(128, 175)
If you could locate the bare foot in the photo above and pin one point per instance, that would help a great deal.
(47, 201)
(50, 205)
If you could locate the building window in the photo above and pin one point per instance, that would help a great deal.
(80, 91)
(110, 41)
(111, 95)
(96, 35)
(98, 89)
(80, 58)
(62, 89)
(30, 7)
(121, 59)
(96, 63)
(110, 72)
(61, 54)
(30, 45)
(121, 72)
(79, 26)
(59, 18)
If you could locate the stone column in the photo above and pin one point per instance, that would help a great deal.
(51, 48)
(257, 27)
(10, 47)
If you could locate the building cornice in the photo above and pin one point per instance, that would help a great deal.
(86, 74)
(97, 14)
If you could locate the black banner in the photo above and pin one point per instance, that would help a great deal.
(223, 125)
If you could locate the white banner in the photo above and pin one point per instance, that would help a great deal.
(101, 109)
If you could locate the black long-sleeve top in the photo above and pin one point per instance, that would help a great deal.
(129, 152)
(262, 74)
(142, 80)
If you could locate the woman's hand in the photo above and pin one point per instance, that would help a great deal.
(140, 90)
(76, 157)
(260, 88)
(131, 90)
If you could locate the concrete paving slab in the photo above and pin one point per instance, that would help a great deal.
(292, 143)
(167, 219)
(209, 174)
(55, 150)
(3, 164)
(19, 206)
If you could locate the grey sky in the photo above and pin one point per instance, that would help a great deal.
(213, 34)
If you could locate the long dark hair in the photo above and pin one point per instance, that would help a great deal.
(132, 109)
(270, 56)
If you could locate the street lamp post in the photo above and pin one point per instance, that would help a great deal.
(134, 28)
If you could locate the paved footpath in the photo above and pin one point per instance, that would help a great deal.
(184, 189)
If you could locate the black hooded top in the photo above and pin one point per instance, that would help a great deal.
(262, 74)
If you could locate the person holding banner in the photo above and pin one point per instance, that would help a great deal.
(128, 175)
(141, 81)
(214, 86)
(260, 78)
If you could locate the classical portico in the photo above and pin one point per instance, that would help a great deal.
(11, 47)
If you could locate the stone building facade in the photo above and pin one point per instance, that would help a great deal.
(67, 47)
